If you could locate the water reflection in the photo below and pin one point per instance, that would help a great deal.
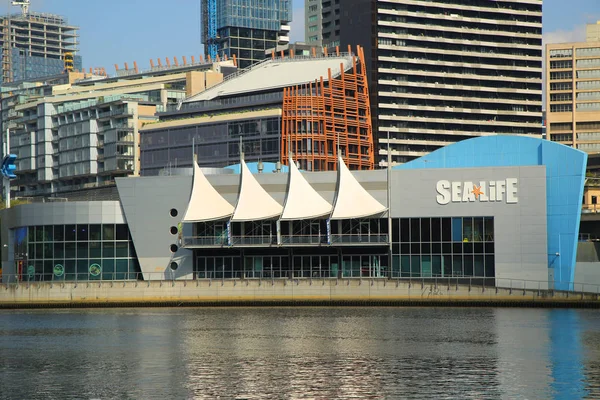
(299, 353)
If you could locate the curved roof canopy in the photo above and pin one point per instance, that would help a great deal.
(352, 200)
(302, 200)
(206, 204)
(254, 203)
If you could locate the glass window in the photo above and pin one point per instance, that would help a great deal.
(468, 265)
(478, 265)
(82, 270)
(95, 249)
(59, 250)
(489, 266)
(48, 250)
(70, 233)
(404, 230)
(82, 233)
(415, 266)
(426, 269)
(405, 265)
(121, 249)
(467, 229)
(436, 265)
(108, 269)
(122, 232)
(70, 250)
(82, 250)
(457, 266)
(48, 233)
(457, 230)
(425, 230)
(436, 230)
(39, 233)
(489, 229)
(108, 232)
(446, 229)
(108, 249)
(415, 230)
(96, 232)
(39, 251)
(447, 265)
(59, 233)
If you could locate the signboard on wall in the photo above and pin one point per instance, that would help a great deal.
(505, 191)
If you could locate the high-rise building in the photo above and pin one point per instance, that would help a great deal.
(244, 28)
(35, 45)
(573, 92)
(83, 134)
(322, 27)
(443, 70)
(592, 32)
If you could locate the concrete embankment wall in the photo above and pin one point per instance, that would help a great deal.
(278, 292)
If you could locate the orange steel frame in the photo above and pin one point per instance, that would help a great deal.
(320, 117)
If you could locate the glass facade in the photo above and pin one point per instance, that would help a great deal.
(247, 28)
(438, 247)
(292, 263)
(254, 14)
(248, 45)
(75, 252)
(217, 145)
(443, 247)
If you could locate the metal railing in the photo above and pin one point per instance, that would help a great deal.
(515, 286)
(304, 239)
(339, 239)
(208, 241)
(253, 240)
(358, 239)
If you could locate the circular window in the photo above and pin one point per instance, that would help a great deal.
(174, 248)
(174, 230)
(174, 266)
(173, 212)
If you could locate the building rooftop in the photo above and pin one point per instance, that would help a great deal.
(274, 74)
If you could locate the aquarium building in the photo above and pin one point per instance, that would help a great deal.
(493, 208)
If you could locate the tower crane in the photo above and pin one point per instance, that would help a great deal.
(24, 6)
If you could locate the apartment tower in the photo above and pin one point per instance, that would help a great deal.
(573, 92)
(35, 45)
(443, 70)
(244, 28)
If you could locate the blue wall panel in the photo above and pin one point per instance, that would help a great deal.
(565, 175)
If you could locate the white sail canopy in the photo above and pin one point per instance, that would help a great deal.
(206, 204)
(254, 203)
(302, 201)
(352, 200)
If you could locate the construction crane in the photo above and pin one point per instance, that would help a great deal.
(211, 29)
(24, 6)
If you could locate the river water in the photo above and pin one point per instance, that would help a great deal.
(300, 353)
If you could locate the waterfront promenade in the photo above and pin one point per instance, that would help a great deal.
(368, 291)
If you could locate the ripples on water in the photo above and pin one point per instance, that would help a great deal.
(300, 353)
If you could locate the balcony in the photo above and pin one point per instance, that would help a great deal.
(358, 239)
(295, 240)
(299, 240)
(265, 240)
(204, 241)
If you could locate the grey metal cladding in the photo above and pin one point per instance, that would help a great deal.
(147, 203)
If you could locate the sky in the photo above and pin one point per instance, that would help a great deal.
(119, 31)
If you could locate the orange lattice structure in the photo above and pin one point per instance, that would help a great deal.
(321, 117)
